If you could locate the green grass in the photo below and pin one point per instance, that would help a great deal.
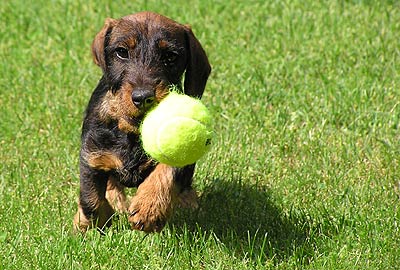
(305, 170)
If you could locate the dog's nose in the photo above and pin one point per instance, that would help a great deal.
(143, 99)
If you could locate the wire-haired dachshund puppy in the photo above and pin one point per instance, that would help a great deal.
(141, 56)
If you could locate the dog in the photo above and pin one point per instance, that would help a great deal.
(141, 56)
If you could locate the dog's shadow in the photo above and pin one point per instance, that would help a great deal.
(246, 220)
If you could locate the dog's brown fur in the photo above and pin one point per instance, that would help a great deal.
(141, 56)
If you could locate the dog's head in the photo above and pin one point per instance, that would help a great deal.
(141, 56)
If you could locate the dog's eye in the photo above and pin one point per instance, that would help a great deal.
(122, 53)
(170, 58)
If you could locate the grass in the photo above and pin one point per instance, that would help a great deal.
(305, 170)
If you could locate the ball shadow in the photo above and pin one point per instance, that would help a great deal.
(246, 220)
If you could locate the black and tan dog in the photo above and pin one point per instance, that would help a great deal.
(141, 56)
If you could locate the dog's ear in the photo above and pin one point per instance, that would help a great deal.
(197, 68)
(99, 41)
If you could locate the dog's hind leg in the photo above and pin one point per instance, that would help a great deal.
(116, 196)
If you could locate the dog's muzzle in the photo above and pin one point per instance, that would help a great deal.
(143, 98)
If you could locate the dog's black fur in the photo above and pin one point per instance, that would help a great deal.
(141, 56)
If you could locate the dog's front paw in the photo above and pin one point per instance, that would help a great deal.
(149, 211)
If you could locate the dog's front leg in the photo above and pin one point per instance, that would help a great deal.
(93, 209)
(154, 200)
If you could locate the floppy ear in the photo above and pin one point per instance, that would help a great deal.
(99, 41)
(197, 68)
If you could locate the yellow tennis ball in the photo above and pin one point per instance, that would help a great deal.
(178, 131)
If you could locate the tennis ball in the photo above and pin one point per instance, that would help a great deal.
(178, 131)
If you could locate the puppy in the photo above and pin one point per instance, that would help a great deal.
(141, 56)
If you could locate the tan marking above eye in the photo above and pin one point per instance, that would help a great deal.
(163, 44)
(131, 42)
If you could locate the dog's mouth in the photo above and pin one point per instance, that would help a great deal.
(134, 121)
(131, 123)
(122, 107)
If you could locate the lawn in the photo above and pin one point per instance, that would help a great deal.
(304, 173)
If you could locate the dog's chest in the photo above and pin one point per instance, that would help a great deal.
(136, 163)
